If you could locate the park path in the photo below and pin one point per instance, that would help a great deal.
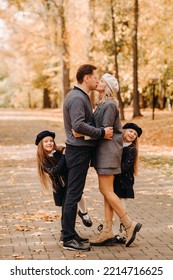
(29, 221)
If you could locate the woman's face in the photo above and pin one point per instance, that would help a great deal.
(101, 85)
(48, 144)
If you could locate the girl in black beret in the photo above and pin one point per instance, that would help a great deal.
(123, 183)
(51, 165)
(53, 172)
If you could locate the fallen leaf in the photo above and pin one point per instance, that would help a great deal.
(38, 250)
(47, 218)
(40, 228)
(170, 226)
(5, 205)
(18, 257)
(36, 234)
(23, 228)
(40, 243)
(4, 228)
(79, 255)
(57, 216)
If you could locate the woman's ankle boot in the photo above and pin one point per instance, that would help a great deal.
(131, 228)
(106, 237)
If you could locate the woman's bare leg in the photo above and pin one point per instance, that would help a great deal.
(106, 188)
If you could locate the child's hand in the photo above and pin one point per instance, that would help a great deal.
(62, 149)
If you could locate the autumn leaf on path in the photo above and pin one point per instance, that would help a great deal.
(47, 218)
(5, 205)
(57, 216)
(4, 228)
(38, 250)
(170, 226)
(23, 228)
(40, 228)
(18, 257)
(80, 255)
(40, 215)
(37, 234)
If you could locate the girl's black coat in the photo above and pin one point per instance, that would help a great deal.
(57, 170)
(123, 183)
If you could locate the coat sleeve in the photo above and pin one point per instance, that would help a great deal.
(129, 160)
(78, 119)
(59, 168)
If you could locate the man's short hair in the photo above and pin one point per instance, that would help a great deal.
(85, 69)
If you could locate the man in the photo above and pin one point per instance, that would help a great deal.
(78, 115)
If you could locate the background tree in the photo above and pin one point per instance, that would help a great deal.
(65, 50)
(136, 107)
(116, 60)
(43, 42)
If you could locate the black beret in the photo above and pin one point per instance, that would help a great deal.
(133, 126)
(43, 134)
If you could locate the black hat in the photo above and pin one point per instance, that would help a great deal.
(133, 126)
(43, 134)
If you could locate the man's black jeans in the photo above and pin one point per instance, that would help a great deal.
(78, 160)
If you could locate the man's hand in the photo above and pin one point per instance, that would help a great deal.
(108, 133)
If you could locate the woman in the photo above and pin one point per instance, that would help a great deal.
(107, 162)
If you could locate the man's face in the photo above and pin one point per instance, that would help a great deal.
(92, 80)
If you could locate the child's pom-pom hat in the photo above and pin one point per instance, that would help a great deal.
(43, 134)
(135, 127)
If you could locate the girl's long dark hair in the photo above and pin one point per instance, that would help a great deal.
(42, 159)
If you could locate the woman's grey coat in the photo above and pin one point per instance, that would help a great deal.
(109, 152)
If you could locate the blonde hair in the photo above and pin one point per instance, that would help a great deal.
(136, 163)
(108, 94)
(42, 159)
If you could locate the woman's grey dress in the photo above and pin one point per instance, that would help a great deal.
(108, 154)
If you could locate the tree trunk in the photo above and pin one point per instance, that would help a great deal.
(92, 44)
(65, 52)
(136, 107)
(46, 100)
(116, 62)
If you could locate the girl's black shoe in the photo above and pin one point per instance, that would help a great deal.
(86, 222)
